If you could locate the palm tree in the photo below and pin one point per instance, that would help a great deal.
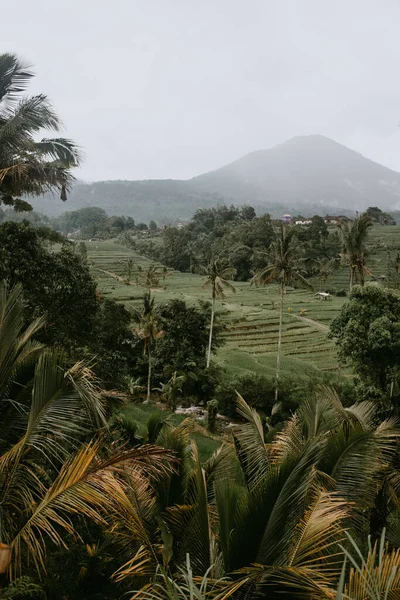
(27, 166)
(278, 531)
(152, 276)
(353, 237)
(325, 267)
(284, 266)
(49, 472)
(218, 278)
(372, 578)
(128, 267)
(147, 331)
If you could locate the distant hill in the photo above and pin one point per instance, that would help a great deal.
(164, 201)
(308, 174)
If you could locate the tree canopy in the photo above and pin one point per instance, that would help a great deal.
(367, 332)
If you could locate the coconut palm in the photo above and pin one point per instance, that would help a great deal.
(276, 533)
(152, 276)
(353, 236)
(49, 471)
(372, 578)
(28, 166)
(325, 268)
(284, 266)
(147, 331)
(128, 267)
(218, 278)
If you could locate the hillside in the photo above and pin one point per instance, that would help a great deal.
(159, 200)
(310, 174)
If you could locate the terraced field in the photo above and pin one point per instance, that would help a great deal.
(250, 315)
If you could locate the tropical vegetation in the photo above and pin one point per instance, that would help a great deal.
(135, 462)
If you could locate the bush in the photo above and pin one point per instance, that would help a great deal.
(257, 390)
(259, 393)
(341, 293)
(212, 410)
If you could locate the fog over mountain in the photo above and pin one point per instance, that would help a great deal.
(309, 174)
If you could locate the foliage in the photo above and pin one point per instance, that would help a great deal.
(367, 332)
(57, 284)
(353, 235)
(28, 166)
(284, 265)
(183, 348)
(172, 390)
(23, 588)
(212, 411)
(50, 471)
(183, 586)
(259, 392)
(372, 578)
(147, 330)
(217, 278)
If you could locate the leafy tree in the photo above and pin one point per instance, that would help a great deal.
(212, 412)
(184, 347)
(353, 235)
(218, 276)
(55, 283)
(113, 343)
(87, 220)
(153, 226)
(367, 332)
(148, 331)
(82, 250)
(284, 266)
(28, 166)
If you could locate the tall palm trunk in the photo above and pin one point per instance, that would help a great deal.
(351, 278)
(278, 356)
(148, 374)
(211, 327)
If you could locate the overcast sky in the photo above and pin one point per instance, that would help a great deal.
(174, 88)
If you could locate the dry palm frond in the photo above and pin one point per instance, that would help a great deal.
(375, 577)
(86, 485)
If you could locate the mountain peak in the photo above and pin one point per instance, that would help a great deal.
(303, 170)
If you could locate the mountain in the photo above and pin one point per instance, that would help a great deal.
(308, 174)
(306, 170)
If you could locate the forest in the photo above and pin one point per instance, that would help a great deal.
(192, 412)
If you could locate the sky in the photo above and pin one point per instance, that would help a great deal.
(174, 88)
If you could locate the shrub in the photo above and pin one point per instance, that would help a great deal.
(257, 390)
(341, 293)
(212, 410)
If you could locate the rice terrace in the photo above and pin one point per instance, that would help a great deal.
(250, 316)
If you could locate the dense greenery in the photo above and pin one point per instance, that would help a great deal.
(238, 237)
(107, 488)
(368, 334)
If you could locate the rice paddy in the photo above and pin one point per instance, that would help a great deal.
(251, 316)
